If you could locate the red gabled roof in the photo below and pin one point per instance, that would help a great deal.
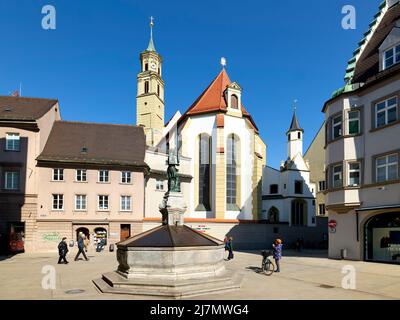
(213, 99)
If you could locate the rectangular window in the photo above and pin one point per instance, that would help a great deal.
(11, 180)
(58, 202)
(337, 127)
(354, 122)
(126, 177)
(12, 142)
(103, 176)
(58, 174)
(81, 175)
(322, 186)
(273, 189)
(354, 174)
(322, 210)
(386, 112)
(126, 203)
(392, 56)
(103, 202)
(387, 168)
(298, 187)
(338, 176)
(80, 202)
(159, 184)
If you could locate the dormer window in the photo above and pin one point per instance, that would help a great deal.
(233, 95)
(391, 57)
(234, 102)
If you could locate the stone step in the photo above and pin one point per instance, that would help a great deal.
(114, 279)
(180, 290)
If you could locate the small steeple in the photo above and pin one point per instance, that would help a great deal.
(151, 46)
(295, 126)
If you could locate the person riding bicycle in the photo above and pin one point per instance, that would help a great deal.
(277, 253)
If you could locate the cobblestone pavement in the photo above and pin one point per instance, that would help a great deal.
(309, 275)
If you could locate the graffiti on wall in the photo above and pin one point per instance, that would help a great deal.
(52, 237)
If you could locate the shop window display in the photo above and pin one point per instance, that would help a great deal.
(383, 238)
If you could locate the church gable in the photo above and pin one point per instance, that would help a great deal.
(300, 163)
(214, 99)
(235, 85)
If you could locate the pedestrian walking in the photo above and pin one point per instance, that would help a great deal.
(226, 241)
(230, 248)
(277, 253)
(62, 251)
(81, 248)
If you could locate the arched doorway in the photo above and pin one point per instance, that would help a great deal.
(84, 230)
(273, 215)
(382, 238)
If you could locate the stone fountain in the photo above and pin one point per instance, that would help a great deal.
(171, 260)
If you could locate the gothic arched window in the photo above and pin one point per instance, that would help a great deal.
(204, 172)
(146, 87)
(234, 102)
(231, 172)
(273, 215)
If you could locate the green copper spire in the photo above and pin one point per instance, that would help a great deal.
(151, 46)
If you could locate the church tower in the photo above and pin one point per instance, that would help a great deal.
(150, 93)
(295, 138)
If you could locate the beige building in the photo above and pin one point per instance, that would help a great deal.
(59, 178)
(91, 179)
(25, 125)
(315, 157)
(363, 149)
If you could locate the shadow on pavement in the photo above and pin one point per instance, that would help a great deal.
(255, 269)
(293, 253)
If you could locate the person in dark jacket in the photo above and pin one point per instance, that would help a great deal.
(81, 248)
(62, 251)
(230, 248)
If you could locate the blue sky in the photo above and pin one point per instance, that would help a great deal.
(276, 50)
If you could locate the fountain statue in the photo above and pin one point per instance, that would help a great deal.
(171, 260)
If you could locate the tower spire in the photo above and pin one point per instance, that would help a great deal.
(151, 46)
(295, 126)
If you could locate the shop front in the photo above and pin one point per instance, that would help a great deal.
(95, 232)
(100, 235)
(382, 238)
(16, 236)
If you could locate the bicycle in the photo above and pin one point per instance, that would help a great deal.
(267, 266)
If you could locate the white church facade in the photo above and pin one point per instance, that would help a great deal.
(288, 194)
(221, 152)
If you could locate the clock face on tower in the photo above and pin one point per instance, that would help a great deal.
(153, 66)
